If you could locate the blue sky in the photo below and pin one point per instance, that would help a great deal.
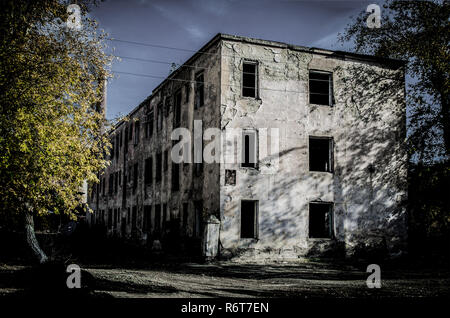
(189, 24)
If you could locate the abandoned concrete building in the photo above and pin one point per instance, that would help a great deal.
(322, 167)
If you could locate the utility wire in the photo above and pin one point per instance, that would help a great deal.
(185, 50)
(206, 83)
(179, 66)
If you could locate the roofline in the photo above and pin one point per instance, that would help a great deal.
(312, 50)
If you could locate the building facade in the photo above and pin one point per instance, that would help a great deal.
(307, 155)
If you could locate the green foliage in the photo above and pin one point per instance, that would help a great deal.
(51, 135)
(418, 32)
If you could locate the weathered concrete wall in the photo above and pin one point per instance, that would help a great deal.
(366, 205)
(204, 186)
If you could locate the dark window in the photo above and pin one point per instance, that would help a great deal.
(128, 216)
(166, 107)
(320, 154)
(124, 188)
(230, 177)
(149, 124)
(147, 225)
(166, 160)
(120, 139)
(117, 145)
(148, 175)
(110, 216)
(250, 79)
(185, 215)
(249, 219)
(198, 218)
(164, 217)
(135, 176)
(125, 139)
(187, 87)
(159, 117)
(199, 91)
(177, 110)
(198, 166)
(320, 88)
(198, 169)
(134, 219)
(116, 182)
(110, 184)
(175, 176)
(320, 220)
(103, 186)
(249, 149)
(137, 132)
(112, 150)
(158, 167)
(158, 217)
(130, 131)
(115, 218)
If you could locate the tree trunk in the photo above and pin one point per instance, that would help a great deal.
(31, 239)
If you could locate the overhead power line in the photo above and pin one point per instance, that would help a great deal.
(205, 83)
(186, 50)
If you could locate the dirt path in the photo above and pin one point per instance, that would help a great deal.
(305, 280)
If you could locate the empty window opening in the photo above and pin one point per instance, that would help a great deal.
(117, 178)
(125, 139)
(115, 219)
(158, 166)
(166, 107)
(321, 88)
(164, 217)
(187, 87)
(110, 184)
(249, 149)
(135, 176)
(320, 220)
(137, 132)
(118, 145)
(148, 172)
(124, 188)
(159, 117)
(250, 79)
(158, 218)
(146, 226)
(321, 154)
(110, 218)
(130, 132)
(149, 124)
(113, 151)
(198, 218)
(230, 177)
(249, 219)
(185, 216)
(199, 90)
(134, 219)
(175, 176)
(177, 111)
(166, 160)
